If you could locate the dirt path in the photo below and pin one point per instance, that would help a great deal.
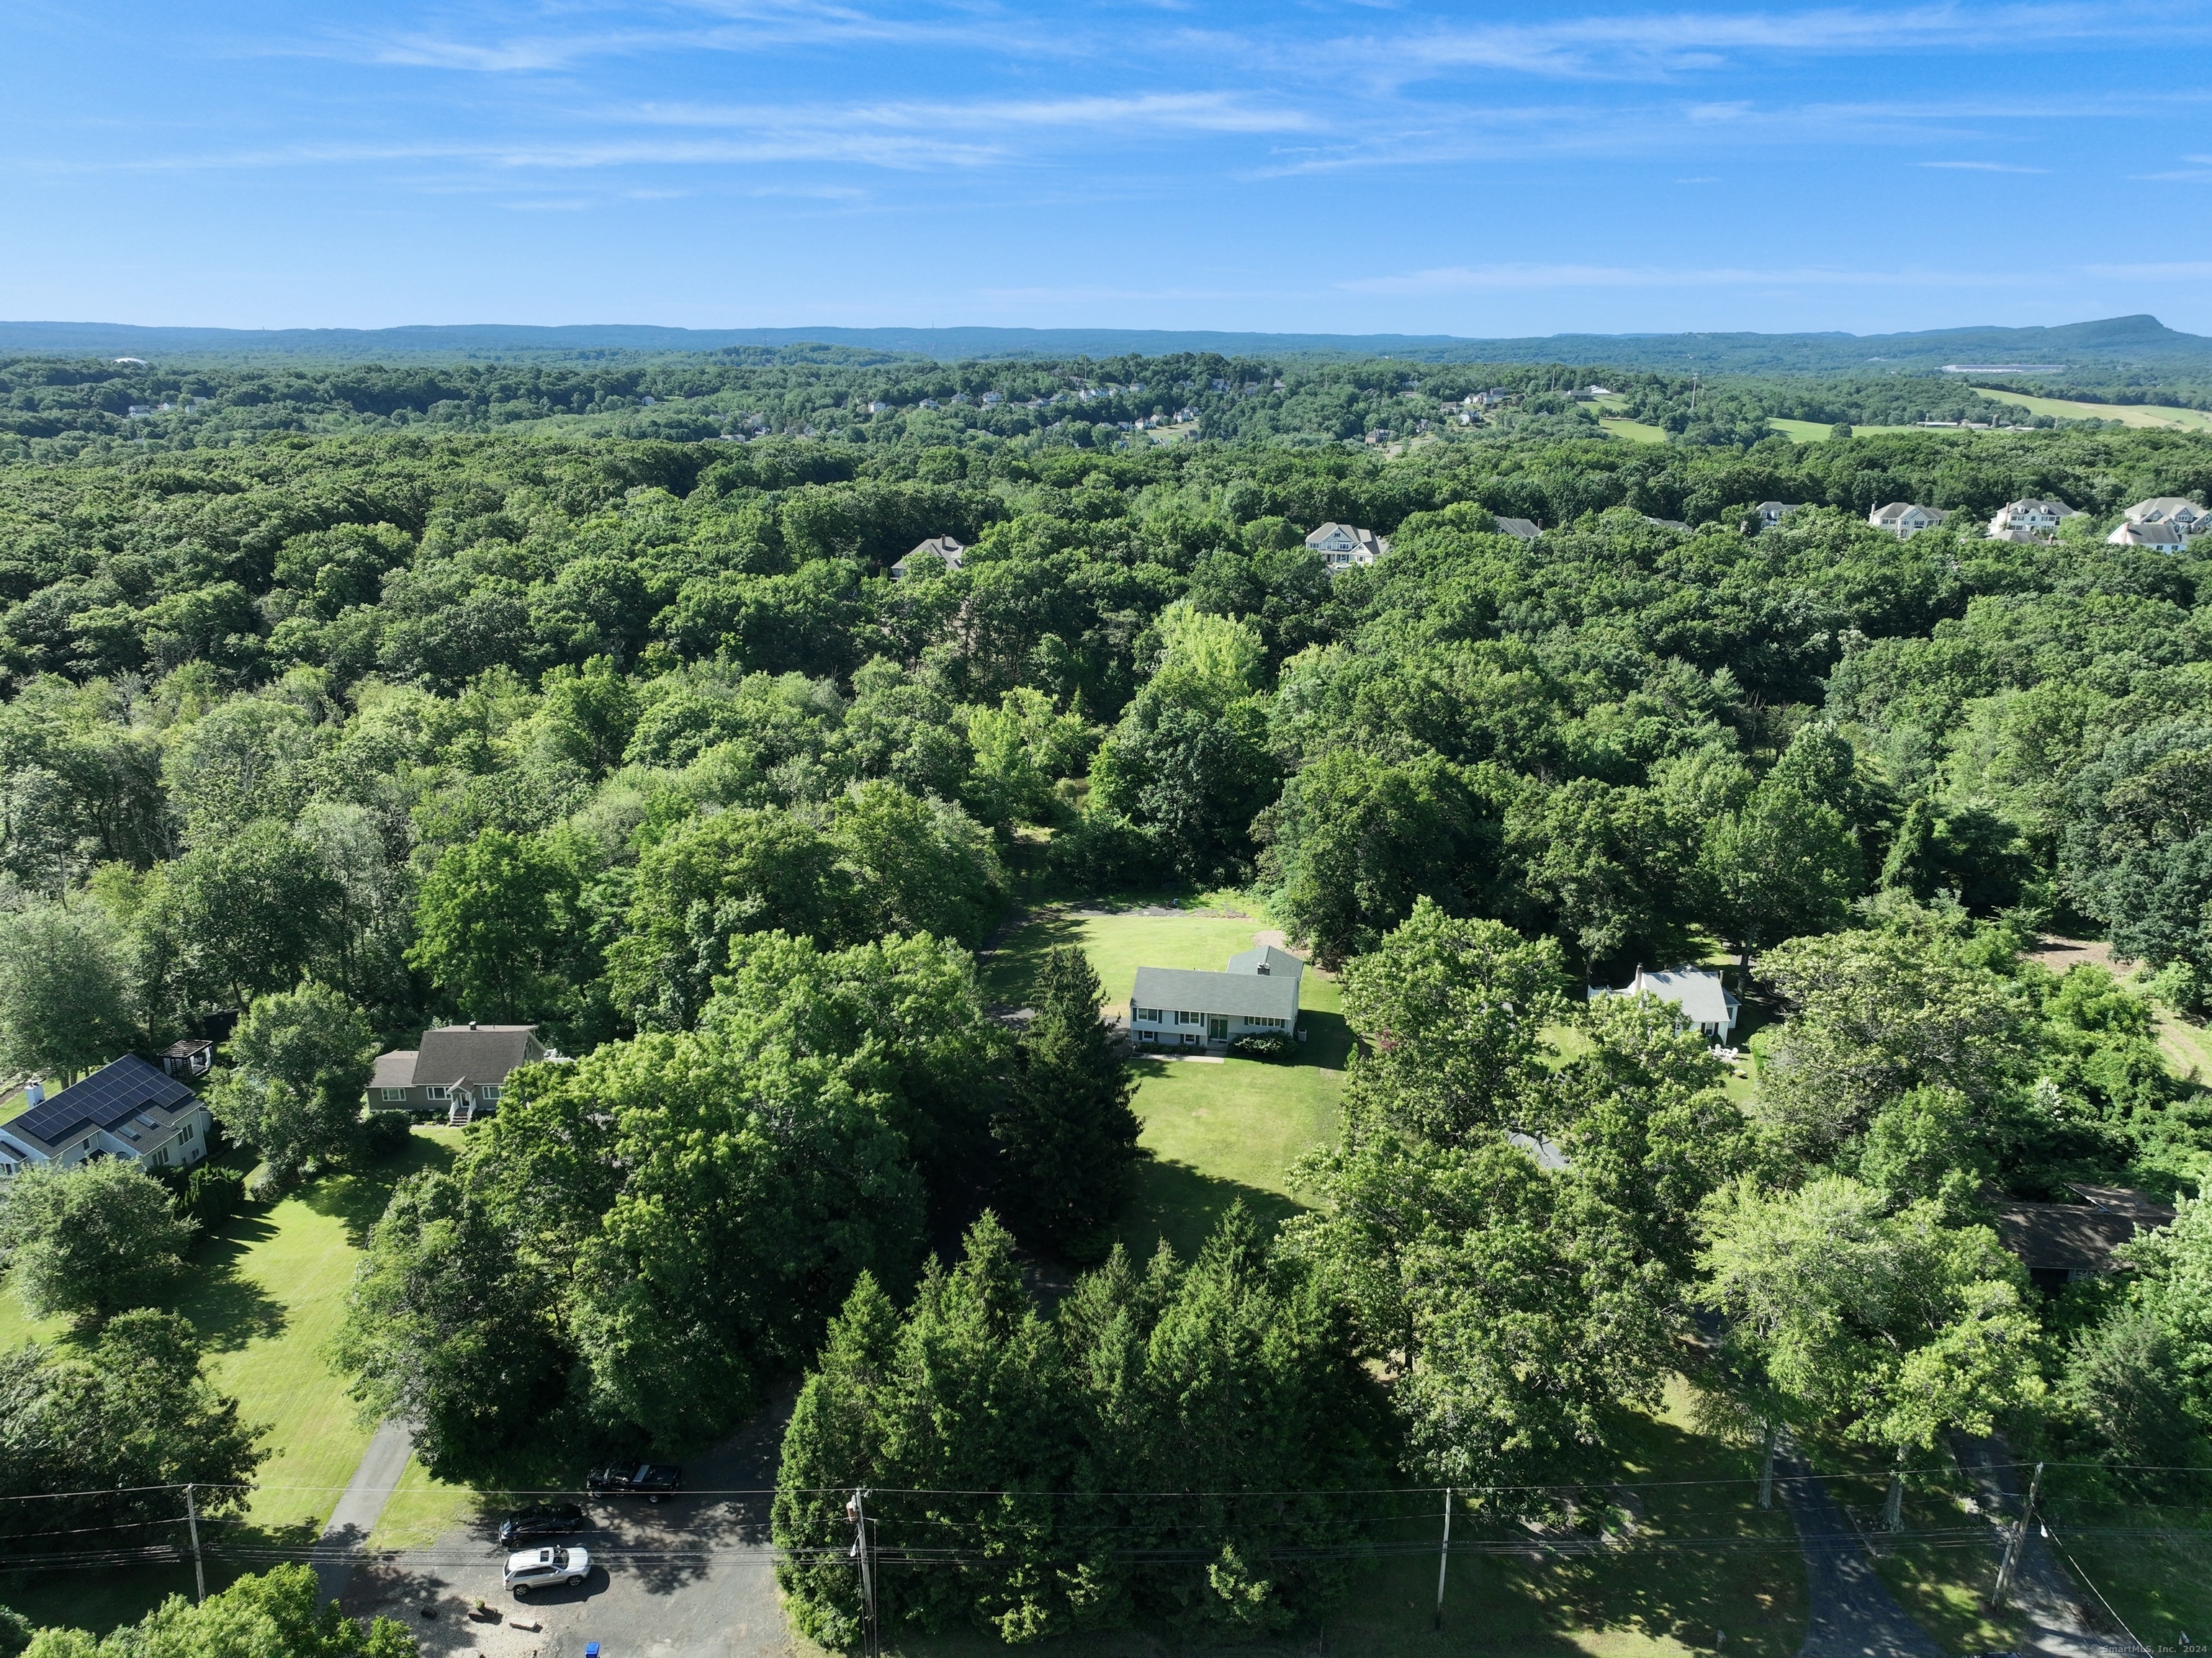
(1850, 1613)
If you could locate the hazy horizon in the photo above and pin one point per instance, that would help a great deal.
(1341, 168)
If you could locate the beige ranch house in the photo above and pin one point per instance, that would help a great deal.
(459, 1070)
(1189, 1008)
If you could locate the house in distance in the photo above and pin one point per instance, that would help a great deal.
(458, 1068)
(1190, 1008)
(942, 549)
(1345, 546)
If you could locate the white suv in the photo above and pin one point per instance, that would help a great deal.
(540, 1568)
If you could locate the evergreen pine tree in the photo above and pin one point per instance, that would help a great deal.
(1068, 1136)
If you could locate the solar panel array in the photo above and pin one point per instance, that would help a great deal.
(107, 1097)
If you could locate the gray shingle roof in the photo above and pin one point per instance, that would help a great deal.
(1238, 994)
(465, 1053)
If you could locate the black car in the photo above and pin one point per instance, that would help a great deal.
(650, 1480)
(546, 1520)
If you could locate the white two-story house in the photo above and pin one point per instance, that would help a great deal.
(1904, 520)
(1345, 546)
(130, 1109)
(1188, 1008)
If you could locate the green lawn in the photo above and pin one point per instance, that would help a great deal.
(1217, 1132)
(266, 1290)
(2128, 414)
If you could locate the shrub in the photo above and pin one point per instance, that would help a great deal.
(385, 1133)
(1099, 852)
(212, 1195)
(1270, 1046)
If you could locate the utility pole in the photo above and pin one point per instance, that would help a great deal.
(2019, 1537)
(1443, 1557)
(199, 1570)
(1766, 1472)
(856, 1510)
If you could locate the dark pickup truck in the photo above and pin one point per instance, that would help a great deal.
(650, 1480)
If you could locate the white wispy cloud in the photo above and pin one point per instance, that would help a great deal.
(1636, 44)
(1980, 166)
(1158, 112)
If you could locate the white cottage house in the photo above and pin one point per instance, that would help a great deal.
(1704, 1001)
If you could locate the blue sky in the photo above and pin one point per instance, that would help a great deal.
(1500, 168)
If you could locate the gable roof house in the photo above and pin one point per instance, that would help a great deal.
(1902, 519)
(1520, 528)
(1772, 513)
(1344, 546)
(458, 1068)
(1703, 1000)
(2029, 519)
(2158, 538)
(1188, 1008)
(2167, 522)
(130, 1108)
(942, 548)
(2061, 1244)
(2177, 509)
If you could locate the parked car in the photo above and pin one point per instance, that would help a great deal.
(546, 1569)
(544, 1520)
(650, 1480)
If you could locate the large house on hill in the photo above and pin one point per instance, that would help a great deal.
(458, 1069)
(2029, 519)
(1902, 519)
(130, 1108)
(1189, 1008)
(1345, 546)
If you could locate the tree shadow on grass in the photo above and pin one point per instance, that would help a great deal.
(1329, 1040)
(226, 1308)
(1175, 1201)
(358, 1197)
(1011, 970)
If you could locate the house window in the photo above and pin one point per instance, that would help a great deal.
(491, 1094)
(185, 1131)
(1147, 1015)
(1190, 1018)
(392, 1094)
(434, 1092)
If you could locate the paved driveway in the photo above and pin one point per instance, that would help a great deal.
(692, 1577)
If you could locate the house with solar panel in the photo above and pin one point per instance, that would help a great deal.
(1191, 1007)
(131, 1109)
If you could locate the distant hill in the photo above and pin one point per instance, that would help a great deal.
(2114, 343)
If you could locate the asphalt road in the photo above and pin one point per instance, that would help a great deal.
(1851, 1611)
(692, 1577)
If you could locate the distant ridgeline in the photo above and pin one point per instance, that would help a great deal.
(2082, 348)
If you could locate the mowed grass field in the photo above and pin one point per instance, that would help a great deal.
(2147, 415)
(1218, 1133)
(266, 1290)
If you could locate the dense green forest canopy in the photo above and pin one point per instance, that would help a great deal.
(54, 409)
(640, 740)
